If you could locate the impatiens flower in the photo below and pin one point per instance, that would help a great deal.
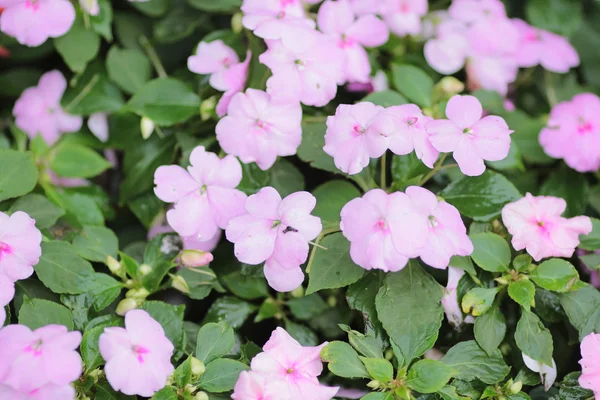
(205, 196)
(38, 110)
(31, 360)
(98, 125)
(431, 229)
(537, 46)
(547, 372)
(472, 139)
(450, 299)
(272, 19)
(471, 11)
(138, 357)
(370, 223)
(349, 138)
(573, 133)
(337, 20)
(590, 363)
(308, 70)
(47, 392)
(234, 81)
(491, 73)
(447, 52)
(377, 83)
(284, 359)
(403, 17)
(254, 386)
(20, 245)
(32, 22)
(403, 127)
(537, 226)
(258, 128)
(276, 231)
(7, 292)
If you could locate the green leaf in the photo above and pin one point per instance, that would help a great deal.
(527, 130)
(303, 334)
(559, 16)
(14, 81)
(146, 208)
(96, 243)
(216, 6)
(491, 252)
(463, 263)
(471, 363)
(429, 376)
(36, 313)
(478, 300)
(333, 268)
(221, 375)
(201, 281)
(523, 292)
(180, 22)
(214, 341)
(167, 393)
(311, 148)
(361, 297)
(171, 319)
(62, 270)
(77, 161)
(159, 255)
(379, 368)
(343, 360)
(533, 338)
(89, 348)
(570, 389)
(39, 208)
(368, 345)
(105, 392)
(183, 373)
(512, 162)
(331, 197)
(128, 68)
(522, 262)
(286, 178)
(583, 309)
(449, 393)
(78, 46)
(153, 8)
(570, 185)
(386, 98)
(414, 83)
(166, 101)
(307, 307)
(253, 179)
(378, 396)
(490, 329)
(19, 174)
(591, 242)
(406, 168)
(230, 309)
(482, 197)
(556, 275)
(408, 305)
(102, 23)
(106, 290)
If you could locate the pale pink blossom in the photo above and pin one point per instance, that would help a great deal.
(98, 124)
(32, 360)
(160, 225)
(138, 357)
(273, 19)
(234, 81)
(447, 52)
(370, 223)
(491, 73)
(258, 128)
(65, 182)
(496, 37)
(276, 231)
(537, 46)
(403, 128)
(205, 196)
(90, 6)
(471, 11)
(38, 110)
(472, 139)
(308, 70)
(403, 17)
(536, 225)
(32, 22)
(590, 363)
(364, 7)
(377, 83)
(46, 392)
(284, 359)
(337, 20)
(547, 372)
(573, 133)
(450, 299)
(431, 229)
(351, 140)
(20, 245)
(254, 386)
(7, 292)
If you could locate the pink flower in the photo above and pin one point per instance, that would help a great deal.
(284, 359)
(403, 17)
(20, 245)
(404, 129)
(431, 229)
(307, 70)
(273, 19)
(337, 20)
(450, 300)
(370, 223)
(138, 357)
(351, 140)
(573, 133)
(47, 392)
(7, 292)
(38, 110)
(205, 196)
(234, 81)
(472, 139)
(537, 46)
(491, 73)
(32, 22)
(537, 226)
(259, 128)
(254, 386)
(590, 363)
(32, 360)
(276, 231)
(98, 124)
(447, 52)
(471, 11)
(377, 83)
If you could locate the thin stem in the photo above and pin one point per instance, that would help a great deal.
(383, 171)
(316, 246)
(86, 90)
(360, 182)
(448, 166)
(160, 70)
(316, 118)
(86, 20)
(159, 131)
(550, 92)
(435, 169)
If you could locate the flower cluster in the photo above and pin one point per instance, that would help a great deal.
(362, 131)
(20, 250)
(385, 230)
(39, 364)
(573, 133)
(285, 370)
(478, 33)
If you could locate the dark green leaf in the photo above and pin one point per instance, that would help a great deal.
(102, 23)
(307, 307)
(343, 360)
(19, 174)
(406, 168)
(90, 351)
(14, 81)
(560, 16)
(39, 208)
(221, 375)
(303, 334)
(286, 178)
(522, 292)
(361, 296)
(583, 309)
(490, 329)
(214, 341)
(171, 319)
(78, 46)
(569, 185)
(414, 83)
(201, 281)
(215, 6)
(230, 309)
(592, 241)
(311, 148)
(533, 338)
(128, 68)
(491, 252)
(472, 363)
(556, 275)
(36, 313)
(331, 197)
(386, 98)
(180, 22)
(62, 270)
(96, 243)
(429, 376)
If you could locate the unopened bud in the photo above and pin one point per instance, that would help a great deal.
(139, 294)
(145, 269)
(236, 22)
(516, 387)
(113, 265)
(207, 108)
(196, 258)
(298, 292)
(179, 283)
(198, 367)
(374, 384)
(126, 305)
(451, 86)
(332, 301)
(502, 281)
(147, 127)
(201, 396)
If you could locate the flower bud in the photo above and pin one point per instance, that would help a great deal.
(516, 387)
(126, 305)
(114, 266)
(179, 283)
(374, 384)
(198, 367)
(137, 294)
(236, 22)
(450, 85)
(147, 127)
(298, 292)
(196, 258)
(201, 396)
(207, 108)
(145, 269)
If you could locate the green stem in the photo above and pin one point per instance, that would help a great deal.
(550, 92)
(435, 169)
(383, 171)
(160, 70)
(360, 182)
(316, 246)
(315, 118)
(86, 90)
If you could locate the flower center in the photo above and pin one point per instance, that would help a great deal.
(382, 225)
(33, 4)
(468, 131)
(281, 15)
(290, 370)
(4, 250)
(285, 3)
(203, 189)
(411, 121)
(276, 223)
(35, 348)
(358, 130)
(404, 7)
(140, 351)
(433, 223)
(226, 62)
(301, 64)
(345, 42)
(584, 127)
